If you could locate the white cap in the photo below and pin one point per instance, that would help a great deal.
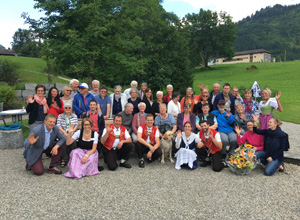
(83, 86)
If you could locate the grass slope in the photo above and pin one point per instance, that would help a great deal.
(284, 77)
(31, 71)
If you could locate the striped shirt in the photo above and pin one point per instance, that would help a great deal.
(61, 121)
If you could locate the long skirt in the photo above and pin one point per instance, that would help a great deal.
(264, 119)
(77, 169)
(186, 156)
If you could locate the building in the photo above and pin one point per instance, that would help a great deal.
(9, 52)
(249, 56)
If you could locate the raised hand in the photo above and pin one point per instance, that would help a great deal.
(243, 116)
(201, 85)
(238, 95)
(108, 128)
(254, 117)
(71, 128)
(238, 130)
(55, 105)
(277, 96)
(32, 139)
(30, 99)
(211, 135)
(206, 89)
(228, 114)
(179, 135)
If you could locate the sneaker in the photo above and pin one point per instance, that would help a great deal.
(125, 164)
(149, 160)
(142, 164)
(100, 168)
(225, 164)
(27, 167)
(54, 170)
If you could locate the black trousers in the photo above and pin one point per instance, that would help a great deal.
(217, 164)
(110, 156)
(141, 149)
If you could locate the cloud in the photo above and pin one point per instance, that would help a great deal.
(237, 9)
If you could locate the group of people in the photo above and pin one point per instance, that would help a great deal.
(206, 127)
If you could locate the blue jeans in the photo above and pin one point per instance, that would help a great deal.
(228, 138)
(271, 167)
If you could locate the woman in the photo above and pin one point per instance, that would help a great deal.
(56, 105)
(174, 107)
(84, 159)
(187, 142)
(134, 100)
(148, 100)
(142, 92)
(190, 98)
(64, 121)
(275, 142)
(205, 99)
(169, 96)
(250, 106)
(267, 106)
(241, 118)
(138, 120)
(37, 107)
(185, 116)
(164, 121)
(256, 140)
(156, 104)
(66, 91)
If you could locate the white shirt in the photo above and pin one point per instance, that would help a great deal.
(76, 135)
(173, 108)
(140, 130)
(127, 93)
(117, 132)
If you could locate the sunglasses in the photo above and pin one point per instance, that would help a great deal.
(67, 107)
(69, 90)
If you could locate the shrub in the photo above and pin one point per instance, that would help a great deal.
(8, 94)
(9, 72)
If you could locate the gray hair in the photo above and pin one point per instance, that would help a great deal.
(133, 89)
(190, 88)
(169, 86)
(144, 84)
(236, 88)
(128, 105)
(142, 103)
(159, 92)
(216, 84)
(96, 81)
(133, 82)
(73, 80)
(64, 89)
(118, 87)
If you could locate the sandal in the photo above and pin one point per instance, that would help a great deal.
(63, 164)
(281, 168)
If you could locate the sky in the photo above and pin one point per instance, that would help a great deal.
(11, 10)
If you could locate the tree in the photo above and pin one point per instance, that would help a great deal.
(9, 71)
(24, 43)
(1, 46)
(212, 35)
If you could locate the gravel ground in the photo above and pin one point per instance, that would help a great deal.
(155, 192)
(293, 131)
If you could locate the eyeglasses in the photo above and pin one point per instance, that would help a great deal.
(87, 125)
(67, 107)
(40, 90)
(69, 90)
(205, 96)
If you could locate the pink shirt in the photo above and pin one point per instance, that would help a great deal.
(185, 120)
(94, 118)
(255, 140)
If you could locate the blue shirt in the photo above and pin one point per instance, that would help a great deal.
(170, 120)
(47, 137)
(224, 122)
(103, 103)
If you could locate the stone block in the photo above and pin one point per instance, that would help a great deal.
(11, 139)
(60, 86)
(48, 86)
(30, 86)
(26, 93)
(19, 93)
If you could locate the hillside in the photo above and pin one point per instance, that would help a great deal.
(284, 77)
(275, 29)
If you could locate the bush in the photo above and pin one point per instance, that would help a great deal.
(9, 72)
(8, 94)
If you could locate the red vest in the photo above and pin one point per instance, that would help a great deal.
(111, 137)
(152, 135)
(208, 143)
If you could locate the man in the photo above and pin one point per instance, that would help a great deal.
(95, 90)
(210, 146)
(210, 118)
(229, 99)
(118, 101)
(236, 94)
(97, 118)
(103, 102)
(133, 85)
(117, 142)
(214, 93)
(81, 101)
(164, 121)
(41, 140)
(148, 141)
(225, 121)
(74, 83)
(127, 117)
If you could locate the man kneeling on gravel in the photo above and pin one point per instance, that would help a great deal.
(42, 140)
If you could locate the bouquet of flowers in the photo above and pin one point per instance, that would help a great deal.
(243, 160)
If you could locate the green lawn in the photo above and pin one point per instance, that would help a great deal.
(31, 71)
(284, 77)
